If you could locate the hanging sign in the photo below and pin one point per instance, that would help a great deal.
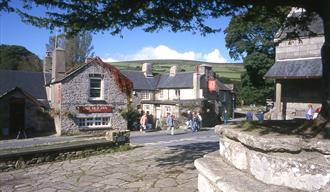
(212, 85)
(95, 109)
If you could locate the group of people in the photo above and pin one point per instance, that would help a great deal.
(145, 121)
(194, 121)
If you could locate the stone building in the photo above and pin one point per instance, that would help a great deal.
(297, 70)
(23, 104)
(89, 98)
(177, 92)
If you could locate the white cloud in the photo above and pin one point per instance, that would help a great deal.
(215, 57)
(164, 52)
(109, 59)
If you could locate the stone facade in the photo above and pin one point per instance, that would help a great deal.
(299, 48)
(36, 119)
(75, 93)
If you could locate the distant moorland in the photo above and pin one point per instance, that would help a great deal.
(228, 72)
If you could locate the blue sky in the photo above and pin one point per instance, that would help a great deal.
(134, 45)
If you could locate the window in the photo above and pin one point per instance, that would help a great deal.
(145, 95)
(95, 88)
(177, 93)
(94, 122)
(161, 94)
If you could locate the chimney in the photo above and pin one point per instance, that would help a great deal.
(206, 70)
(173, 70)
(58, 64)
(47, 65)
(147, 69)
(196, 83)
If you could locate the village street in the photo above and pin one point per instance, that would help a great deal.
(164, 163)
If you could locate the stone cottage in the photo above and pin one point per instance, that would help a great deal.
(177, 92)
(89, 98)
(297, 70)
(23, 104)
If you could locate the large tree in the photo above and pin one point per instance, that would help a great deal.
(78, 47)
(183, 15)
(250, 36)
(15, 57)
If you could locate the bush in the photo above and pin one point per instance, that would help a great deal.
(131, 115)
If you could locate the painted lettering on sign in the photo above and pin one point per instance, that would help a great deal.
(95, 109)
(212, 85)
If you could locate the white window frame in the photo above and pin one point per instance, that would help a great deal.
(101, 97)
(145, 95)
(94, 122)
(161, 94)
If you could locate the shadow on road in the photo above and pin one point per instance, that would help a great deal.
(181, 155)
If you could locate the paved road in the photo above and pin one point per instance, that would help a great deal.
(165, 163)
(162, 138)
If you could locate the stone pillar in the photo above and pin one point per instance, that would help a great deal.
(278, 98)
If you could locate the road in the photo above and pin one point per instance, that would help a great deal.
(164, 163)
(162, 138)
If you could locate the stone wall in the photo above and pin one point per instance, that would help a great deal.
(75, 93)
(37, 119)
(277, 159)
(304, 47)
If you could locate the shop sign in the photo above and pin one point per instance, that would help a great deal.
(95, 109)
(212, 85)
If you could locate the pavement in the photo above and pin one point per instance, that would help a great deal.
(164, 163)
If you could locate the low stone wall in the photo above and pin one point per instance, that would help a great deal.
(24, 157)
(277, 159)
(270, 158)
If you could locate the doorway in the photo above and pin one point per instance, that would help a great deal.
(17, 116)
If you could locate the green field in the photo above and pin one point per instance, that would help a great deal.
(229, 72)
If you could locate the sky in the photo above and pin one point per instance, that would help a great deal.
(133, 45)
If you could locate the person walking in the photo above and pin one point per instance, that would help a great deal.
(170, 123)
(195, 122)
(189, 120)
(199, 125)
(143, 122)
(225, 116)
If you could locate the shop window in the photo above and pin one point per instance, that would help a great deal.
(94, 122)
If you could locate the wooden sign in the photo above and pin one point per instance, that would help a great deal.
(212, 85)
(95, 109)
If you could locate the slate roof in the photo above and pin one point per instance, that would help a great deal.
(31, 82)
(180, 80)
(315, 28)
(296, 69)
(27, 95)
(140, 82)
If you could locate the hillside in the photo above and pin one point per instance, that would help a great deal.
(15, 57)
(229, 72)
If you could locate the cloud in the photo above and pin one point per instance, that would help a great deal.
(164, 52)
(215, 57)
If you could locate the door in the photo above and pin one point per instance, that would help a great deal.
(17, 112)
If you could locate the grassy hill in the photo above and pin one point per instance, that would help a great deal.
(229, 72)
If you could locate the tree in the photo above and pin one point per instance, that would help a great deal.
(186, 15)
(249, 36)
(15, 57)
(77, 47)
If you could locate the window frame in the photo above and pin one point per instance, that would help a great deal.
(94, 122)
(145, 95)
(101, 96)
